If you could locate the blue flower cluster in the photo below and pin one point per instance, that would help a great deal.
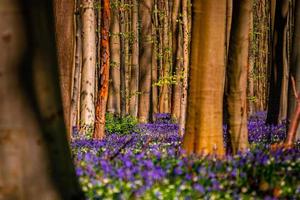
(151, 165)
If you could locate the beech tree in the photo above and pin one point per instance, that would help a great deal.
(145, 58)
(237, 63)
(114, 98)
(87, 95)
(103, 72)
(203, 134)
(35, 161)
(277, 64)
(295, 66)
(64, 29)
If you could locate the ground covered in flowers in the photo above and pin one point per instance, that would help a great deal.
(148, 164)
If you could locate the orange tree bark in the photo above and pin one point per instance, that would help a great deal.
(104, 72)
(277, 62)
(236, 93)
(35, 162)
(64, 29)
(203, 134)
(145, 58)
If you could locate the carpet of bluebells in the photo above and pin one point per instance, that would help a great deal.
(149, 164)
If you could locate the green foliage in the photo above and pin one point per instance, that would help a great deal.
(120, 125)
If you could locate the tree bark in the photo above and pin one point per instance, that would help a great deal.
(75, 98)
(35, 161)
(104, 72)
(204, 134)
(277, 62)
(185, 72)
(236, 93)
(295, 66)
(87, 95)
(145, 57)
(64, 29)
(114, 98)
(134, 81)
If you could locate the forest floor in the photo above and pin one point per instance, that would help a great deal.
(148, 163)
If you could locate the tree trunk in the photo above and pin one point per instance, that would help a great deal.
(87, 102)
(164, 104)
(134, 81)
(64, 29)
(104, 72)
(75, 98)
(295, 65)
(177, 88)
(145, 57)
(35, 161)
(277, 62)
(236, 93)
(114, 98)
(204, 134)
(186, 53)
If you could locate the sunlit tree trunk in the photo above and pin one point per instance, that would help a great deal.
(236, 72)
(64, 29)
(87, 95)
(145, 57)
(75, 98)
(186, 60)
(103, 72)
(277, 61)
(295, 65)
(114, 98)
(203, 134)
(35, 161)
(134, 81)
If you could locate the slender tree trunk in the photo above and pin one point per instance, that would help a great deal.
(177, 88)
(134, 81)
(204, 134)
(277, 62)
(185, 69)
(35, 161)
(236, 93)
(104, 72)
(114, 98)
(64, 29)
(251, 59)
(77, 68)
(145, 57)
(295, 66)
(123, 59)
(87, 107)
(155, 61)
(164, 95)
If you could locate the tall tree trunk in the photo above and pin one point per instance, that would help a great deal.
(75, 98)
(277, 62)
(177, 87)
(145, 57)
(114, 98)
(134, 81)
(186, 53)
(204, 134)
(236, 93)
(104, 72)
(123, 58)
(164, 104)
(35, 161)
(295, 65)
(87, 95)
(64, 29)
(155, 61)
